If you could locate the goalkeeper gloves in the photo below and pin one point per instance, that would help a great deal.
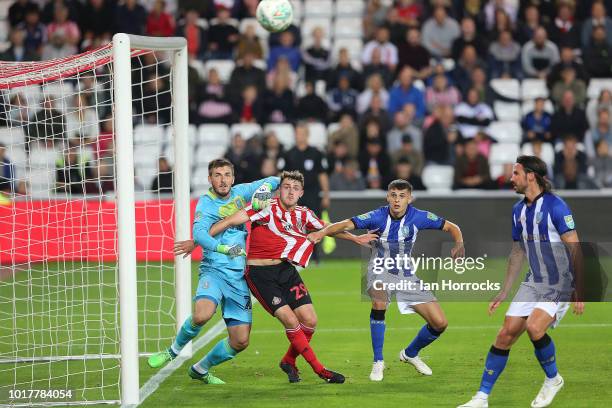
(262, 196)
(231, 250)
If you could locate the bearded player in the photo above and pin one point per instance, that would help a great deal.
(221, 270)
(543, 231)
(395, 227)
(278, 243)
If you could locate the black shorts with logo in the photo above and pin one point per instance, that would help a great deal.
(275, 286)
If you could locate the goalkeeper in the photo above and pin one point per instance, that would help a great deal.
(221, 271)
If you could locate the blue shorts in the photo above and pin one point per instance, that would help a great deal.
(233, 296)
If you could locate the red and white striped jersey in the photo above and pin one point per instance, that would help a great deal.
(280, 234)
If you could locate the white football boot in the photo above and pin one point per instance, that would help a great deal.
(377, 371)
(478, 401)
(416, 361)
(547, 393)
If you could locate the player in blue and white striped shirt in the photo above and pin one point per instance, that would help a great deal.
(397, 226)
(543, 231)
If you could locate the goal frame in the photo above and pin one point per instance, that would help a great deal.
(123, 44)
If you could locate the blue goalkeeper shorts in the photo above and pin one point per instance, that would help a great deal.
(233, 296)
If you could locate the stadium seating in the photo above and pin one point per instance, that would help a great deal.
(311, 23)
(148, 134)
(533, 88)
(214, 133)
(508, 88)
(596, 85)
(246, 130)
(347, 28)
(12, 136)
(505, 132)
(547, 154)
(502, 153)
(317, 136)
(284, 132)
(349, 8)
(507, 111)
(438, 178)
(527, 106)
(224, 68)
(318, 8)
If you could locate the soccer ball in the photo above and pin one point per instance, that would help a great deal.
(274, 15)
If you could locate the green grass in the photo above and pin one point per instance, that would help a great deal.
(342, 343)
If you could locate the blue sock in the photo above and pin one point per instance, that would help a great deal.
(377, 331)
(187, 332)
(495, 364)
(545, 353)
(220, 353)
(424, 337)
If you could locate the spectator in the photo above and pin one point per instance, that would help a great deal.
(441, 93)
(82, 121)
(472, 168)
(283, 69)
(375, 86)
(568, 119)
(222, 35)
(599, 18)
(375, 16)
(286, 49)
(106, 163)
(213, 105)
(342, 99)
(377, 112)
(246, 162)
(57, 47)
(473, 115)
(313, 165)
(568, 59)
(49, 9)
(312, 107)
(156, 103)
(603, 101)
(539, 55)
(249, 42)
(493, 7)
(403, 125)
(268, 168)
(598, 55)
(250, 108)
(162, 183)
(346, 133)
(47, 123)
(528, 27)
(376, 66)
(603, 130)
(245, 74)
(274, 38)
(505, 57)
(388, 51)
(35, 31)
(17, 115)
(17, 51)
(504, 181)
(571, 166)
(194, 33)
(602, 164)
(73, 174)
(62, 25)
(469, 36)
(569, 82)
(439, 139)
(375, 165)
(272, 147)
(317, 61)
(405, 92)
(279, 102)
(537, 123)
(348, 178)
(564, 30)
(409, 12)
(8, 182)
(337, 157)
(462, 73)
(130, 18)
(411, 53)
(345, 68)
(408, 152)
(18, 10)
(478, 81)
(439, 33)
(404, 170)
(160, 23)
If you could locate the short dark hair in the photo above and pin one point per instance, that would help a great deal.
(293, 175)
(537, 166)
(215, 164)
(400, 184)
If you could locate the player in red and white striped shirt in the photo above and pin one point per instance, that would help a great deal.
(278, 241)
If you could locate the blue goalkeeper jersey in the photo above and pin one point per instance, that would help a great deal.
(397, 235)
(538, 227)
(209, 210)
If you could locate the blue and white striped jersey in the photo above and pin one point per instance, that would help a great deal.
(539, 227)
(397, 235)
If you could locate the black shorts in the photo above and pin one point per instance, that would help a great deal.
(275, 286)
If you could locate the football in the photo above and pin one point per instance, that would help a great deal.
(275, 15)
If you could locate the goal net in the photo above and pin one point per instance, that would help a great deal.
(94, 187)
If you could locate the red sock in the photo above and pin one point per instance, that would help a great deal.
(300, 343)
(291, 353)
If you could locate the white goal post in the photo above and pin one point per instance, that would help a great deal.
(70, 296)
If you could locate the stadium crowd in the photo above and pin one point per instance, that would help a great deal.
(419, 93)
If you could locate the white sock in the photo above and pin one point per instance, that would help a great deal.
(553, 380)
(482, 395)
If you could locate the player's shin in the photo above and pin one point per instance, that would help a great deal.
(292, 354)
(187, 332)
(494, 365)
(221, 352)
(544, 349)
(377, 332)
(424, 337)
(298, 340)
